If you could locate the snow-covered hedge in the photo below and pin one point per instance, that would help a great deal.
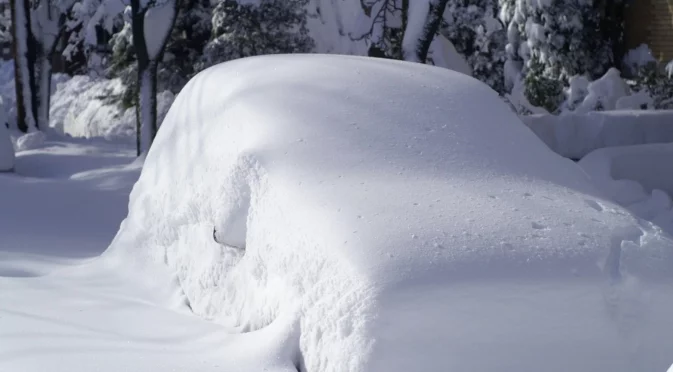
(575, 135)
(373, 215)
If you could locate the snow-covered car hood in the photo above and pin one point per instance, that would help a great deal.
(400, 214)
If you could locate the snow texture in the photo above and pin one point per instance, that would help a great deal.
(6, 150)
(575, 135)
(397, 217)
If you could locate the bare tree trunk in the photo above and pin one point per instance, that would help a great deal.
(434, 20)
(44, 69)
(24, 49)
(148, 64)
(431, 25)
(146, 110)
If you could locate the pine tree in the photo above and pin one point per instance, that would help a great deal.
(270, 27)
(477, 34)
(562, 38)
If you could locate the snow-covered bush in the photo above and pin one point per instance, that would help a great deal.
(549, 42)
(479, 36)
(314, 199)
(87, 107)
(648, 78)
(242, 29)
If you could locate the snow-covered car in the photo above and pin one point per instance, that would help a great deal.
(6, 149)
(375, 215)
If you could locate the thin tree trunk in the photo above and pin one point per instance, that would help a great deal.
(147, 106)
(24, 50)
(140, 46)
(44, 99)
(432, 23)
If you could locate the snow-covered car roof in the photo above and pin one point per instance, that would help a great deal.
(401, 214)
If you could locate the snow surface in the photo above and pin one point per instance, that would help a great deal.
(6, 149)
(376, 215)
(575, 135)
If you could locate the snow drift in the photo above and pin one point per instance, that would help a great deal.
(392, 217)
(575, 135)
(639, 178)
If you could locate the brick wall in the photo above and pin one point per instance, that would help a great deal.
(650, 22)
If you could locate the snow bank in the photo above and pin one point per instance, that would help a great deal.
(638, 177)
(86, 107)
(575, 135)
(401, 218)
(6, 149)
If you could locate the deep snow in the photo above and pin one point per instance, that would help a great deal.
(391, 216)
(63, 311)
(576, 135)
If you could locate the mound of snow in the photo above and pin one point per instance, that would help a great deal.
(6, 149)
(639, 178)
(400, 216)
(575, 135)
(30, 141)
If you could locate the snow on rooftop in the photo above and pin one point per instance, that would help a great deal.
(401, 214)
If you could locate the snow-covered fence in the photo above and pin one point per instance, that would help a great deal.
(575, 135)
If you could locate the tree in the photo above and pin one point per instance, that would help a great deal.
(422, 26)
(383, 25)
(37, 26)
(48, 24)
(561, 39)
(151, 25)
(269, 27)
(476, 33)
(24, 63)
(89, 28)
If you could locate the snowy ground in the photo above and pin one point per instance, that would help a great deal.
(60, 308)
(60, 209)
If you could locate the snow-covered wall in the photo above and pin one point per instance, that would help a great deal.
(575, 135)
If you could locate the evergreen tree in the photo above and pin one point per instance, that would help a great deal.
(270, 27)
(479, 36)
(562, 38)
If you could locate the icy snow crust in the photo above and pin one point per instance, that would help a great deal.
(395, 217)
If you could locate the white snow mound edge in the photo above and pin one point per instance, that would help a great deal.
(402, 215)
